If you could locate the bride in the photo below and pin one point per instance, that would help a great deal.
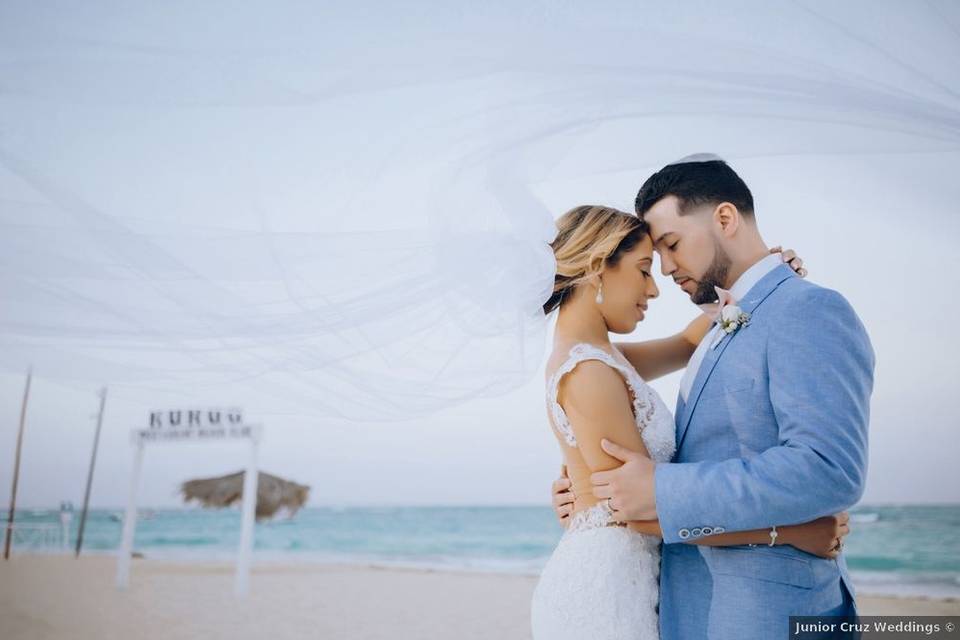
(601, 582)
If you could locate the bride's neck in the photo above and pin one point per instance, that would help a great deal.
(580, 321)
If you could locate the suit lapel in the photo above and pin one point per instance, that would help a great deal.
(681, 410)
(709, 361)
(750, 302)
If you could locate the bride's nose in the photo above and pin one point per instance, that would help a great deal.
(653, 291)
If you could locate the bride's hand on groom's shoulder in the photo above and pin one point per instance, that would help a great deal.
(791, 258)
(821, 537)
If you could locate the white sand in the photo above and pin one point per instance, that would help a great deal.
(51, 597)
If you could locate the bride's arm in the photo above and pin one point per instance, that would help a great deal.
(818, 537)
(595, 399)
(655, 358)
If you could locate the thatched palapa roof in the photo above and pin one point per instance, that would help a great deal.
(273, 493)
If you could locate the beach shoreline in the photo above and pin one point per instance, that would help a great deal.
(53, 597)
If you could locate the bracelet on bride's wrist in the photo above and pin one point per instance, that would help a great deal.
(773, 538)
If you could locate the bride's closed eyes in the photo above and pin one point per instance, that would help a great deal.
(644, 265)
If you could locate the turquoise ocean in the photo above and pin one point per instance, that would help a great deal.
(898, 550)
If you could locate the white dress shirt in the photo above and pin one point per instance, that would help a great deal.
(739, 289)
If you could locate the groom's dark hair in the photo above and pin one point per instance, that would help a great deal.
(694, 184)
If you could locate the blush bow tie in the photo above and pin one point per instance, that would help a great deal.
(714, 309)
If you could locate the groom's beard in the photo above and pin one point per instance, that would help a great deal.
(715, 276)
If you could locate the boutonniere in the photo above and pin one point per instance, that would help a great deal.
(731, 319)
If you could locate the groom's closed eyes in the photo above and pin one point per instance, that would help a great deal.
(668, 240)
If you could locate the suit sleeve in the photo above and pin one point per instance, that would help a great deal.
(820, 364)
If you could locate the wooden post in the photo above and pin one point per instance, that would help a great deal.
(129, 520)
(16, 468)
(93, 462)
(241, 585)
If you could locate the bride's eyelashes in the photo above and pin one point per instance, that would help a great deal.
(673, 247)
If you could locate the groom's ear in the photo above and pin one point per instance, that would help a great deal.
(727, 218)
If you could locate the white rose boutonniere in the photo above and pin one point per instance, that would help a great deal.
(731, 319)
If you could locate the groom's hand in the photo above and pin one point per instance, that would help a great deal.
(630, 486)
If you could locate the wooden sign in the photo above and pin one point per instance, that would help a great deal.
(191, 425)
(185, 425)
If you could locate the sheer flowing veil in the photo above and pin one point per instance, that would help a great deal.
(340, 204)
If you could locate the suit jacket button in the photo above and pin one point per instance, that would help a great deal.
(696, 532)
(684, 533)
(718, 529)
(707, 531)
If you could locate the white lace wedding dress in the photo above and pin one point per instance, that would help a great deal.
(602, 581)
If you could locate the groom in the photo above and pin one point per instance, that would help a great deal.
(771, 421)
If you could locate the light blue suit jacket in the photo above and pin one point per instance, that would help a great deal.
(774, 432)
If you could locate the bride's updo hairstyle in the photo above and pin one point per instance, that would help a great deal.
(589, 238)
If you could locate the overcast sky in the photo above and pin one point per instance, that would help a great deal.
(851, 149)
(896, 269)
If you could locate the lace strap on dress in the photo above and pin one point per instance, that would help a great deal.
(578, 353)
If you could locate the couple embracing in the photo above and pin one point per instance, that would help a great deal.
(726, 517)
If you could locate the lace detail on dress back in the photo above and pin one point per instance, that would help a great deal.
(652, 416)
(599, 515)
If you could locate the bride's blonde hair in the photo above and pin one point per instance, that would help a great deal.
(588, 238)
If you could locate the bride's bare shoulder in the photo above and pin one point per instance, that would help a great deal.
(586, 366)
(560, 353)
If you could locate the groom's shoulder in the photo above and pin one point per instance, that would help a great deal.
(806, 289)
(799, 290)
(814, 314)
(802, 300)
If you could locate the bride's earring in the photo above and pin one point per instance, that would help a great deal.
(599, 297)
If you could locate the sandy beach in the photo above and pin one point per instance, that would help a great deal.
(56, 597)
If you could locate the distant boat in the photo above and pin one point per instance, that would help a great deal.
(862, 518)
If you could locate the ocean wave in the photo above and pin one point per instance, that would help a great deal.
(904, 550)
(930, 585)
